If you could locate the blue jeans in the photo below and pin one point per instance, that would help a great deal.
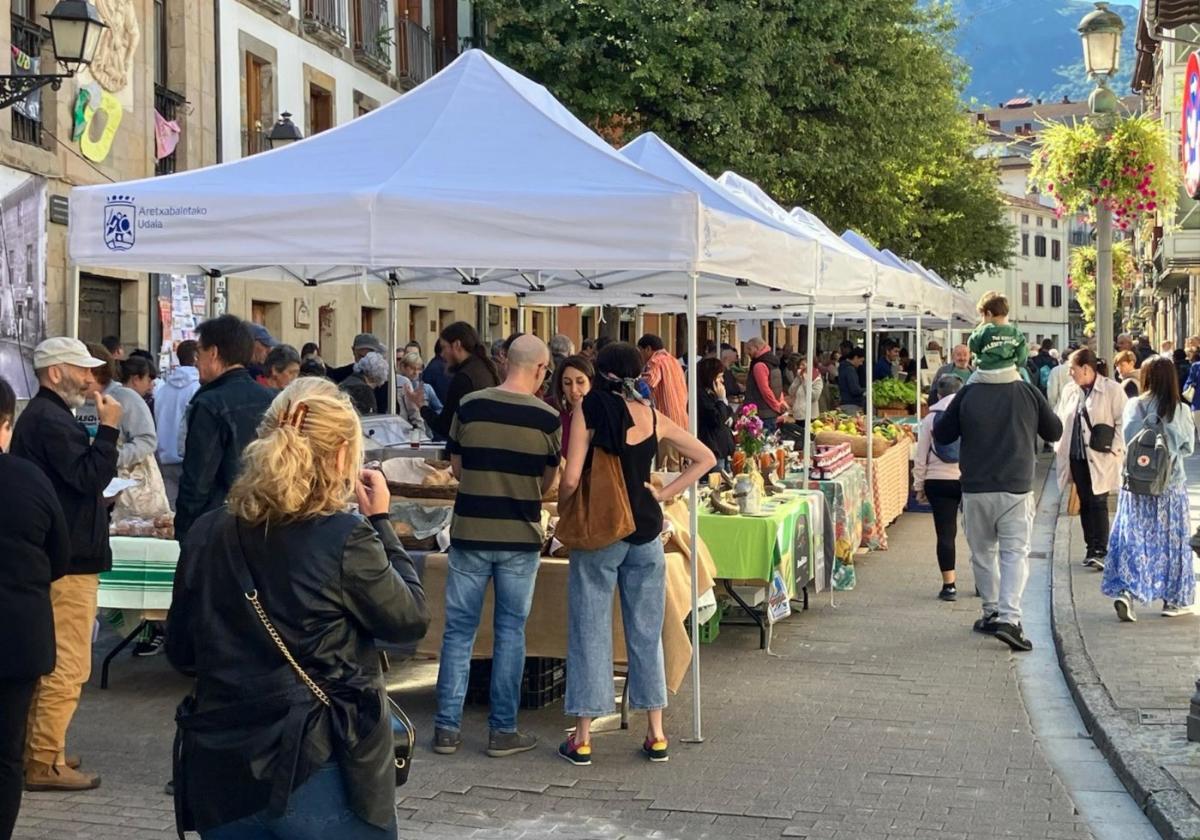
(512, 574)
(317, 810)
(639, 571)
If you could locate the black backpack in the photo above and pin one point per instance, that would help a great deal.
(947, 452)
(1148, 460)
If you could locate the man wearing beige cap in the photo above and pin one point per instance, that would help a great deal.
(48, 435)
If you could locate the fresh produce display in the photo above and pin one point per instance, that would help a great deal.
(892, 393)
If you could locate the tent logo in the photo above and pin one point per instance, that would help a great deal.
(119, 222)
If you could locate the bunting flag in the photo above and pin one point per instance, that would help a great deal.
(166, 136)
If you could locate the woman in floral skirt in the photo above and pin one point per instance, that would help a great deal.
(1149, 557)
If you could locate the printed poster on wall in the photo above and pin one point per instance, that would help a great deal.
(22, 276)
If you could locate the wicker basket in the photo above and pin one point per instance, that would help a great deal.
(423, 491)
(858, 443)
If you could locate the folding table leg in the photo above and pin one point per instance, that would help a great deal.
(750, 611)
(625, 702)
(120, 647)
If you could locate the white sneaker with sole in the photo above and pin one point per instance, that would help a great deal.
(1124, 607)
(1172, 611)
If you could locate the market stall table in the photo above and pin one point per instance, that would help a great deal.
(889, 492)
(853, 518)
(139, 584)
(546, 627)
(751, 548)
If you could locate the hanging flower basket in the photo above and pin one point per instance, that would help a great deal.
(1082, 280)
(1128, 170)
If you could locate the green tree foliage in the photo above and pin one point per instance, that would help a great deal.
(849, 108)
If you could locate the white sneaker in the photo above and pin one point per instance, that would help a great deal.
(1124, 607)
(1172, 611)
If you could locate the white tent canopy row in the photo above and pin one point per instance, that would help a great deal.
(416, 195)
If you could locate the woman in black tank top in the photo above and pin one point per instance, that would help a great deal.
(615, 418)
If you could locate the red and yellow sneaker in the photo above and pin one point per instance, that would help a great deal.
(656, 750)
(578, 754)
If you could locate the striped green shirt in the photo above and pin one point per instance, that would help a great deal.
(506, 441)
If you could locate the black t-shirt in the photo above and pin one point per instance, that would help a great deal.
(607, 416)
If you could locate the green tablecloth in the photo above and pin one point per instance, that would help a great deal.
(751, 547)
(142, 575)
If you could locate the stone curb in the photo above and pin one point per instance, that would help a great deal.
(1172, 812)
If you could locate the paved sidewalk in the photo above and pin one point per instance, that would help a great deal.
(1133, 682)
(883, 717)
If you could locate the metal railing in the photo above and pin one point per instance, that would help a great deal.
(446, 51)
(28, 37)
(414, 51)
(372, 36)
(329, 15)
(168, 103)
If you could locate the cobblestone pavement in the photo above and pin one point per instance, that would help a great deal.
(1149, 668)
(883, 717)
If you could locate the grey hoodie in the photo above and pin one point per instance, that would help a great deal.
(137, 436)
(171, 399)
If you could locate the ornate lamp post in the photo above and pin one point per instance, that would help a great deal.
(1101, 31)
(75, 29)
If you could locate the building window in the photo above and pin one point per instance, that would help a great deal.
(1024, 218)
(1054, 224)
(1040, 221)
(1056, 296)
(1039, 246)
(1024, 244)
(27, 40)
(259, 99)
(1055, 250)
(372, 318)
(1041, 295)
(1024, 293)
(320, 109)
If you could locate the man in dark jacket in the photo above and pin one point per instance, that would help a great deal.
(48, 435)
(1041, 360)
(222, 418)
(998, 426)
(851, 394)
(467, 358)
(35, 551)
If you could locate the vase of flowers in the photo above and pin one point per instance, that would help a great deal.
(751, 440)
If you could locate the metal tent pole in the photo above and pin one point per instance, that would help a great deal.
(393, 283)
(918, 356)
(870, 363)
(812, 363)
(694, 520)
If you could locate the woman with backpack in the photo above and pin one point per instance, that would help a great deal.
(1149, 556)
(936, 482)
(1090, 452)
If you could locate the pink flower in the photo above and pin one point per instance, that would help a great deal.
(1153, 205)
(1104, 182)
(1133, 153)
(1050, 187)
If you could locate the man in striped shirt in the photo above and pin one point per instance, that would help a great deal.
(504, 448)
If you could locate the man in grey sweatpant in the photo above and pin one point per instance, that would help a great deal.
(998, 426)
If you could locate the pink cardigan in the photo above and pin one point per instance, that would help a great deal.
(926, 463)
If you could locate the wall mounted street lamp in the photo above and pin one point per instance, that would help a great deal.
(284, 132)
(75, 29)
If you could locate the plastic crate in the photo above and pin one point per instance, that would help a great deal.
(543, 681)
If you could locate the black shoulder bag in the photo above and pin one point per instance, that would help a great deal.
(1102, 434)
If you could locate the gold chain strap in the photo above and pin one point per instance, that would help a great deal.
(252, 597)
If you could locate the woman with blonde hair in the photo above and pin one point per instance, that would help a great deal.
(279, 598)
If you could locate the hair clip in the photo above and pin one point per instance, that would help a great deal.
(296, 418)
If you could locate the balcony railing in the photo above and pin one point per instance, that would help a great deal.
(414, 51)
(28, 37)
(372, 37)
(169, 104)
(326, 18)
(446, 51)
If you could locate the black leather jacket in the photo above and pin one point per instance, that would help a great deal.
(252, 732)
(222, 419)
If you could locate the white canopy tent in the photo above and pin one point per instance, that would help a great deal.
(477, 180)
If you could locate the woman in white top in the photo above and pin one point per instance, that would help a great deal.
(798, 388)
(936, 482)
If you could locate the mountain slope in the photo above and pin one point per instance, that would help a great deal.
(1032, 47)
